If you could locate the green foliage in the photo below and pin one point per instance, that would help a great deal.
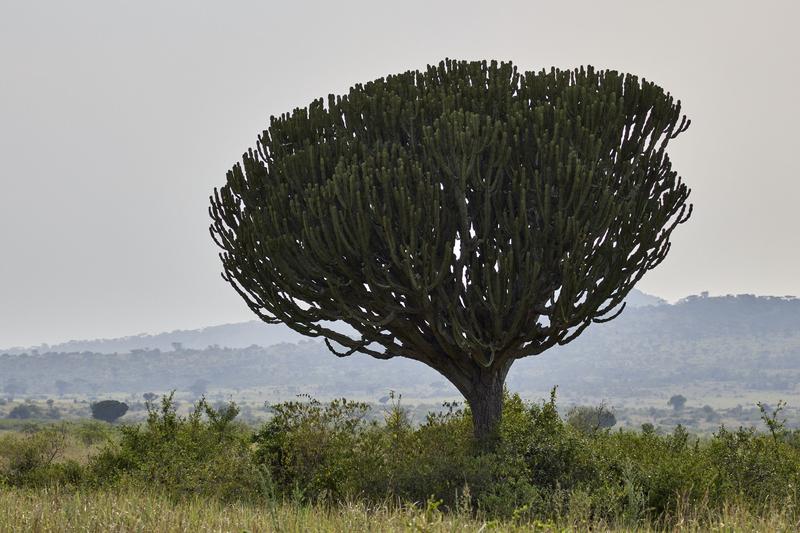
(542, 468)
(33, 459)
(777, 426)
(204, 453)
(558, 174)
(90, 432)
(591, 419)
(311, 447)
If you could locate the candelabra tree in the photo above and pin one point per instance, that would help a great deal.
(464, 216)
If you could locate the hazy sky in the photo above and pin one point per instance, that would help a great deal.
(118, 118)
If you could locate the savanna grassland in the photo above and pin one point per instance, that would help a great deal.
(329, 467)
(715, 461)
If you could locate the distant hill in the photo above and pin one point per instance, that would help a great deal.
(637, 298)
(733, 348)
(239, 335)
(722, 346)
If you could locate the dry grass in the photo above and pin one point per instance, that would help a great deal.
(55, 510)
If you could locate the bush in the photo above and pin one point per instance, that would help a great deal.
(202, 454)
(332, 452)
(542, 467)
(90, 432)
(590, 419)
(314, 448)
(31, 460)
(25, 411)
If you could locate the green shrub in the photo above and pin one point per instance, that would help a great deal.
(319, 450)
(755, 466)
(332, 452)
(91, 432)
(205, 453)
(591, 419)
(32, 459)
(25, 411)
(542, 467)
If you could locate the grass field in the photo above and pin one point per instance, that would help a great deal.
(55, 510)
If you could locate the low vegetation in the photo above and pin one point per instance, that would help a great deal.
(331, 465)
(54, 509)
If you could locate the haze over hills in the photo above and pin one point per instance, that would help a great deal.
(719, 350)
(240, 335)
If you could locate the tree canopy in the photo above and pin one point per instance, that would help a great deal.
(108, 410)
(463, 216)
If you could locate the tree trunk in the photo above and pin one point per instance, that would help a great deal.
(485, 398)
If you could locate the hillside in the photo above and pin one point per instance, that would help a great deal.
(729, 348)
(239, 335)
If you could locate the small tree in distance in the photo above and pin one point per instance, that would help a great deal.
(677, 401)
(464, 216)
(108, 410)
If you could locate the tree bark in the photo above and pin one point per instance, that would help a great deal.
(485, 398)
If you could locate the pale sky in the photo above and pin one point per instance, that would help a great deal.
(117, 118)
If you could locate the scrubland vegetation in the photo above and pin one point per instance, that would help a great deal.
(315, 466)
